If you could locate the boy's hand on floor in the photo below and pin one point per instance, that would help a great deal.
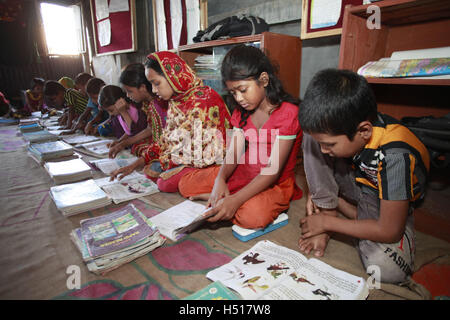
(312, 225)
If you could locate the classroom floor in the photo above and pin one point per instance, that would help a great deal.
(36, 250)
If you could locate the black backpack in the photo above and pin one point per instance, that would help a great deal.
(234, 26)
(434, 134)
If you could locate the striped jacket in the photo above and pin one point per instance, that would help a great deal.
(394, 163)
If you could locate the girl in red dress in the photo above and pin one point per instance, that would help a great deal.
(256, 181)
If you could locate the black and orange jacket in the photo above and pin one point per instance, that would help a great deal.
(395, 163)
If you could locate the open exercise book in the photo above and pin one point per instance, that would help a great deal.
(183, 218)
(80, 139)
(133, 186)
(98, 149)
(272, 272)
(122, 159)
(109, 241)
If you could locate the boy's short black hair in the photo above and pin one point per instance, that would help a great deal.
(94, 85)
(82, 78)
(335, 102)
(52, 88)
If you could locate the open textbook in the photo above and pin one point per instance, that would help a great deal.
(98, 149)
(80, 138)
(109, 241)
(133, 186)
(272, 272)
(178, 220)
(122, 159)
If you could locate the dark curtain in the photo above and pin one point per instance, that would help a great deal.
(18, 33)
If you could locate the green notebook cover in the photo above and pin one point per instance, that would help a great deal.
(215, 291)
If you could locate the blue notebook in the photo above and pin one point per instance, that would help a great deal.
(248, 234)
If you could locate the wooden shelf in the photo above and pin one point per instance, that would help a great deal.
(283, 50)
(410, 81)
(405, 25)
(214, 43)
(401, 12)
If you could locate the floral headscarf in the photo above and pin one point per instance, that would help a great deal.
(195, 109)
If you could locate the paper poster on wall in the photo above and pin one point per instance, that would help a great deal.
(321, 18)
(118, 6)
(102, 10)
(325, 13)
(104, 32)
(118, 35)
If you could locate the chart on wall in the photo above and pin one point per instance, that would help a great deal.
(324, 17)
(114, 25)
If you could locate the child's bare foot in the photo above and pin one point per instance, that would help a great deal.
(317, 244)
(201, 196)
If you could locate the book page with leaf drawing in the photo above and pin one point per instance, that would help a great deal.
(272, 272)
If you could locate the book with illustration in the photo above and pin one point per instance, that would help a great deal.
(268, 271)
(175, 222)
(109, 241)
(132, 186)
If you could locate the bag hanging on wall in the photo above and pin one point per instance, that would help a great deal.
(234, 26)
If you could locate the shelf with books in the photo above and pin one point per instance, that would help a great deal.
(404, 25)
(283, 50)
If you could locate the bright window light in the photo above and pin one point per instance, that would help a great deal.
(62, 27)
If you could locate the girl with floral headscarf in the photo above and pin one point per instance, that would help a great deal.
(197, 119)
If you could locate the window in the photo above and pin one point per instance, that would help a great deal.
(63, 31)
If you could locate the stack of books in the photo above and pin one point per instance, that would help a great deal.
(30, 127)
(68, 171)
(39, 136)
(42, 152)
(78, 197)
(109, 241)
(27, 121)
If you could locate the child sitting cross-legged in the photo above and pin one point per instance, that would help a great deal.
(256, 181)
(364, 165)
